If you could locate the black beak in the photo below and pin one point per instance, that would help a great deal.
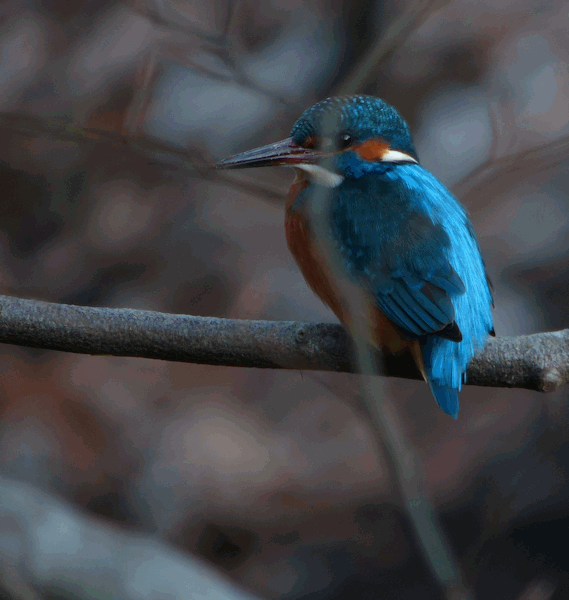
(285, 152)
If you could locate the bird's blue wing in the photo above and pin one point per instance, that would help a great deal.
(395, 250)
(418, 299)
(401, 234)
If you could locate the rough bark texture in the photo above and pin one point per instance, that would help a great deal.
(535, 362)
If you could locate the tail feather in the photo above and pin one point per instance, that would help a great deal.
(446, 397)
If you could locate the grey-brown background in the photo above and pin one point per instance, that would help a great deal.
(110, 113)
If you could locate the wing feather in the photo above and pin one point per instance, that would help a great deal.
(401, 257)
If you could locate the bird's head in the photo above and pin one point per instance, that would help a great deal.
(336, 139)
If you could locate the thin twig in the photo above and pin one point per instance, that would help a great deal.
(396, 34)
(388, 431)
(495, 177)
(132, 143)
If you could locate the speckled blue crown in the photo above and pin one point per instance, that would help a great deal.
(363, 117)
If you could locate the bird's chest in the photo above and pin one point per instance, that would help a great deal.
(335, 242)
(309, 252)
(324, 265)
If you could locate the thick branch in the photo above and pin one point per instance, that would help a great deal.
(536, 362)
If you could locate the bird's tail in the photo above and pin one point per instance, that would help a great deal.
(446, 396)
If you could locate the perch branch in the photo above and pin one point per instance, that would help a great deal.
(536, 362)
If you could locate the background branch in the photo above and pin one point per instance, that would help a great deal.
(75, 555)
(536, 362)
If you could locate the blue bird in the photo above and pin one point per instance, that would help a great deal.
(403, 245)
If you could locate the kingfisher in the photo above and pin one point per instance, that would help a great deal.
(398, 241)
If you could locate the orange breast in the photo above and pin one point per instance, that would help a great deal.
(354, 305)
(307, 257)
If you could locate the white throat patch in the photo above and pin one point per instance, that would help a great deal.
(321, 175)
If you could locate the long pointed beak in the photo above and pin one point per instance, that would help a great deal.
(285, 152)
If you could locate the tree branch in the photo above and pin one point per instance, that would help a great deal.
(536, 362)
(56, 551)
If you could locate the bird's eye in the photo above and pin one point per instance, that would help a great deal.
(343, 140)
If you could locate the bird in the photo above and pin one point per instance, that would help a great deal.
(403, 266)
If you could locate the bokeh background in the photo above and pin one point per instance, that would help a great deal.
(110, 115)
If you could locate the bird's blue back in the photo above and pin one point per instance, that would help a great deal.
(399, 227)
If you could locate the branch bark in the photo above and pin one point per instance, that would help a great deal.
(535, 362)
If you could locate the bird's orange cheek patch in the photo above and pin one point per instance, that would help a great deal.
(372, 150)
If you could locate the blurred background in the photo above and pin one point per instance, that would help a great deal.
(110, 115)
